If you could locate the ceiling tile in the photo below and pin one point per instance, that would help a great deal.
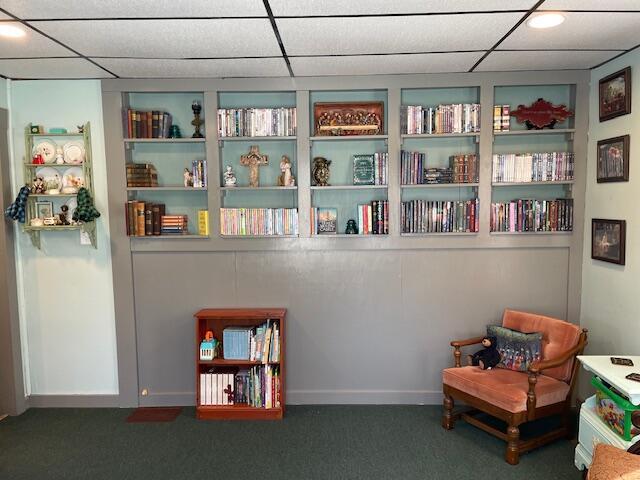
(607, 6)
(500, 61)
(364, 7)
(581, 30)
(327, 36)
(38, 68)
(31, 45)
(384, 64)
(158, 68)
(133, 8)
(4, 16)
(166, 38)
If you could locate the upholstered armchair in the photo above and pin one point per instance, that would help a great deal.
(518, 397)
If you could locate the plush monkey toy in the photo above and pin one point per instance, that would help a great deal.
(489, 356)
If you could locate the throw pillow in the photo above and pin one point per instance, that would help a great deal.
(517, 350)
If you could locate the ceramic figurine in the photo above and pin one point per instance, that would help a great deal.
(188, 178)
(230, 179)
(52, 187)
(321, 171)
(38, 185)
(37, 159)
(62, 216)
(254, 159)
(286, 178)
(80, 128)
(59, 156)
(36, 222)
(197, 121)
(352, 227)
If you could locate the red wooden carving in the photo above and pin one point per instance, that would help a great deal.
(541, 114)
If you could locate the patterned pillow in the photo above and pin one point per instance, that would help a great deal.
(517, 350)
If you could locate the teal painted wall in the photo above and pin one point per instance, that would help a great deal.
(66, 306)
(610, 302)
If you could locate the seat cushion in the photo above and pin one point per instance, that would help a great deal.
(503, 388)
(558, 336)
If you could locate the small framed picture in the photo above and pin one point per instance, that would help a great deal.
(615, 95)
(44, 209)
(608, 240)
(613, 159)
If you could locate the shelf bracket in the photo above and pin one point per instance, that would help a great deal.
(90, 230)
(35, 238)
(220, 143)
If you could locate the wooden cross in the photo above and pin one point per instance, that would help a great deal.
(253, 160)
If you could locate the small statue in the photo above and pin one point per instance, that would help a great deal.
(230, 179)
(59, 155)
(254, 159)
(37, 159)
(52, 186)
(321, 171)
(38, 185)
(188, 178)
(286, 178)
(62, 216)
(197, 121)
(352, 227)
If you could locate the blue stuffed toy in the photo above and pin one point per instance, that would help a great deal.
(18, 209)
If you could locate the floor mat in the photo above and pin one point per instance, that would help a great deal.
(154, 414)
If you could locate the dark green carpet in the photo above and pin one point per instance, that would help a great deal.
(313, 442)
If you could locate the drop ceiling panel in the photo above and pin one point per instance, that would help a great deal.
(31, 45)
(330, 36)
(4, 16)
(581, 30)
(363, 7)
(38, 68)
(607, 5)
(137, 68)
(384, 64)
(166, 38)
(133, 8)
(500, 61)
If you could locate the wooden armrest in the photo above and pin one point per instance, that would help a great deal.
(469, 341)
(538, 366)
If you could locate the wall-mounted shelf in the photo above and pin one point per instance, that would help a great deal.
(350, 187)
(440, 135)
(516, 184)
(257, 139)
(165, 140)
(439, 234)
(347, 138)
(167, 236)
(533, 233)
(442, 185)
(244, 189)
(168, 189)
(547, 131)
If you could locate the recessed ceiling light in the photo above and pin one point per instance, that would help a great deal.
(545, 20)
(11, 31)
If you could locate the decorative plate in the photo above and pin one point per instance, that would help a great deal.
(47, 148)
(74, 152)
(51, 177)
(72, 180)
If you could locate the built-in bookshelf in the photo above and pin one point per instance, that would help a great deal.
(242, 377)
(264, 123)
(166, 168)
(533, 171)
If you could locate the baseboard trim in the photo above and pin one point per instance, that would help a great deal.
(74, 401)
(364, 397)
(168, 399)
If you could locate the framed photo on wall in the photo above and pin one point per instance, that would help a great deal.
(44, 209)
(608, 240)
(615, 95)
(613, 159)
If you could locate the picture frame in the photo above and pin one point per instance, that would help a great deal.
(608, 240)
(613, 159)
(348, 118)
(614, 97)
(44, 209)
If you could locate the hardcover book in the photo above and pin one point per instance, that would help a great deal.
(327, 221)
(363, 170)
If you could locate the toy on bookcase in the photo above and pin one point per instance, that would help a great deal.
(352, 227)
(321, 171)
(489, 356)
(208, 346)
(286, 178)
(62, 216)
(541, 114)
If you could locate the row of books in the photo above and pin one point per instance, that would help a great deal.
(424, 216)
(149, 218)
(154, 124)
(463, 168)
(526, 215)
(217, 388)
(199, 173)
(373, 218)
(452, 118)
(259, 221)
(256, 122)
(370, 169)
(174, 225)
(141, 175)
(259, 387)
(501, 118)
(533, 167)
(260, 343)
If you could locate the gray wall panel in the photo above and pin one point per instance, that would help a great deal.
(363, 327)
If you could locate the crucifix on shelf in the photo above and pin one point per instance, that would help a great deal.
(254, 160)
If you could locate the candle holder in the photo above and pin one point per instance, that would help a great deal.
(197, 121)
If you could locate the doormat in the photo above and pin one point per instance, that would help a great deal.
(154, 414)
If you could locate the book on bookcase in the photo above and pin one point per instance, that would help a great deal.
(246, 377)
(529, 215)
(424, 216)
(443, 119)
(257, 122)
(149, 124)
(463, 168)
(144, 219)
(258, 221)
(533, 167)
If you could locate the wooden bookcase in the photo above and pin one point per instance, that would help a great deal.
(217, 320)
